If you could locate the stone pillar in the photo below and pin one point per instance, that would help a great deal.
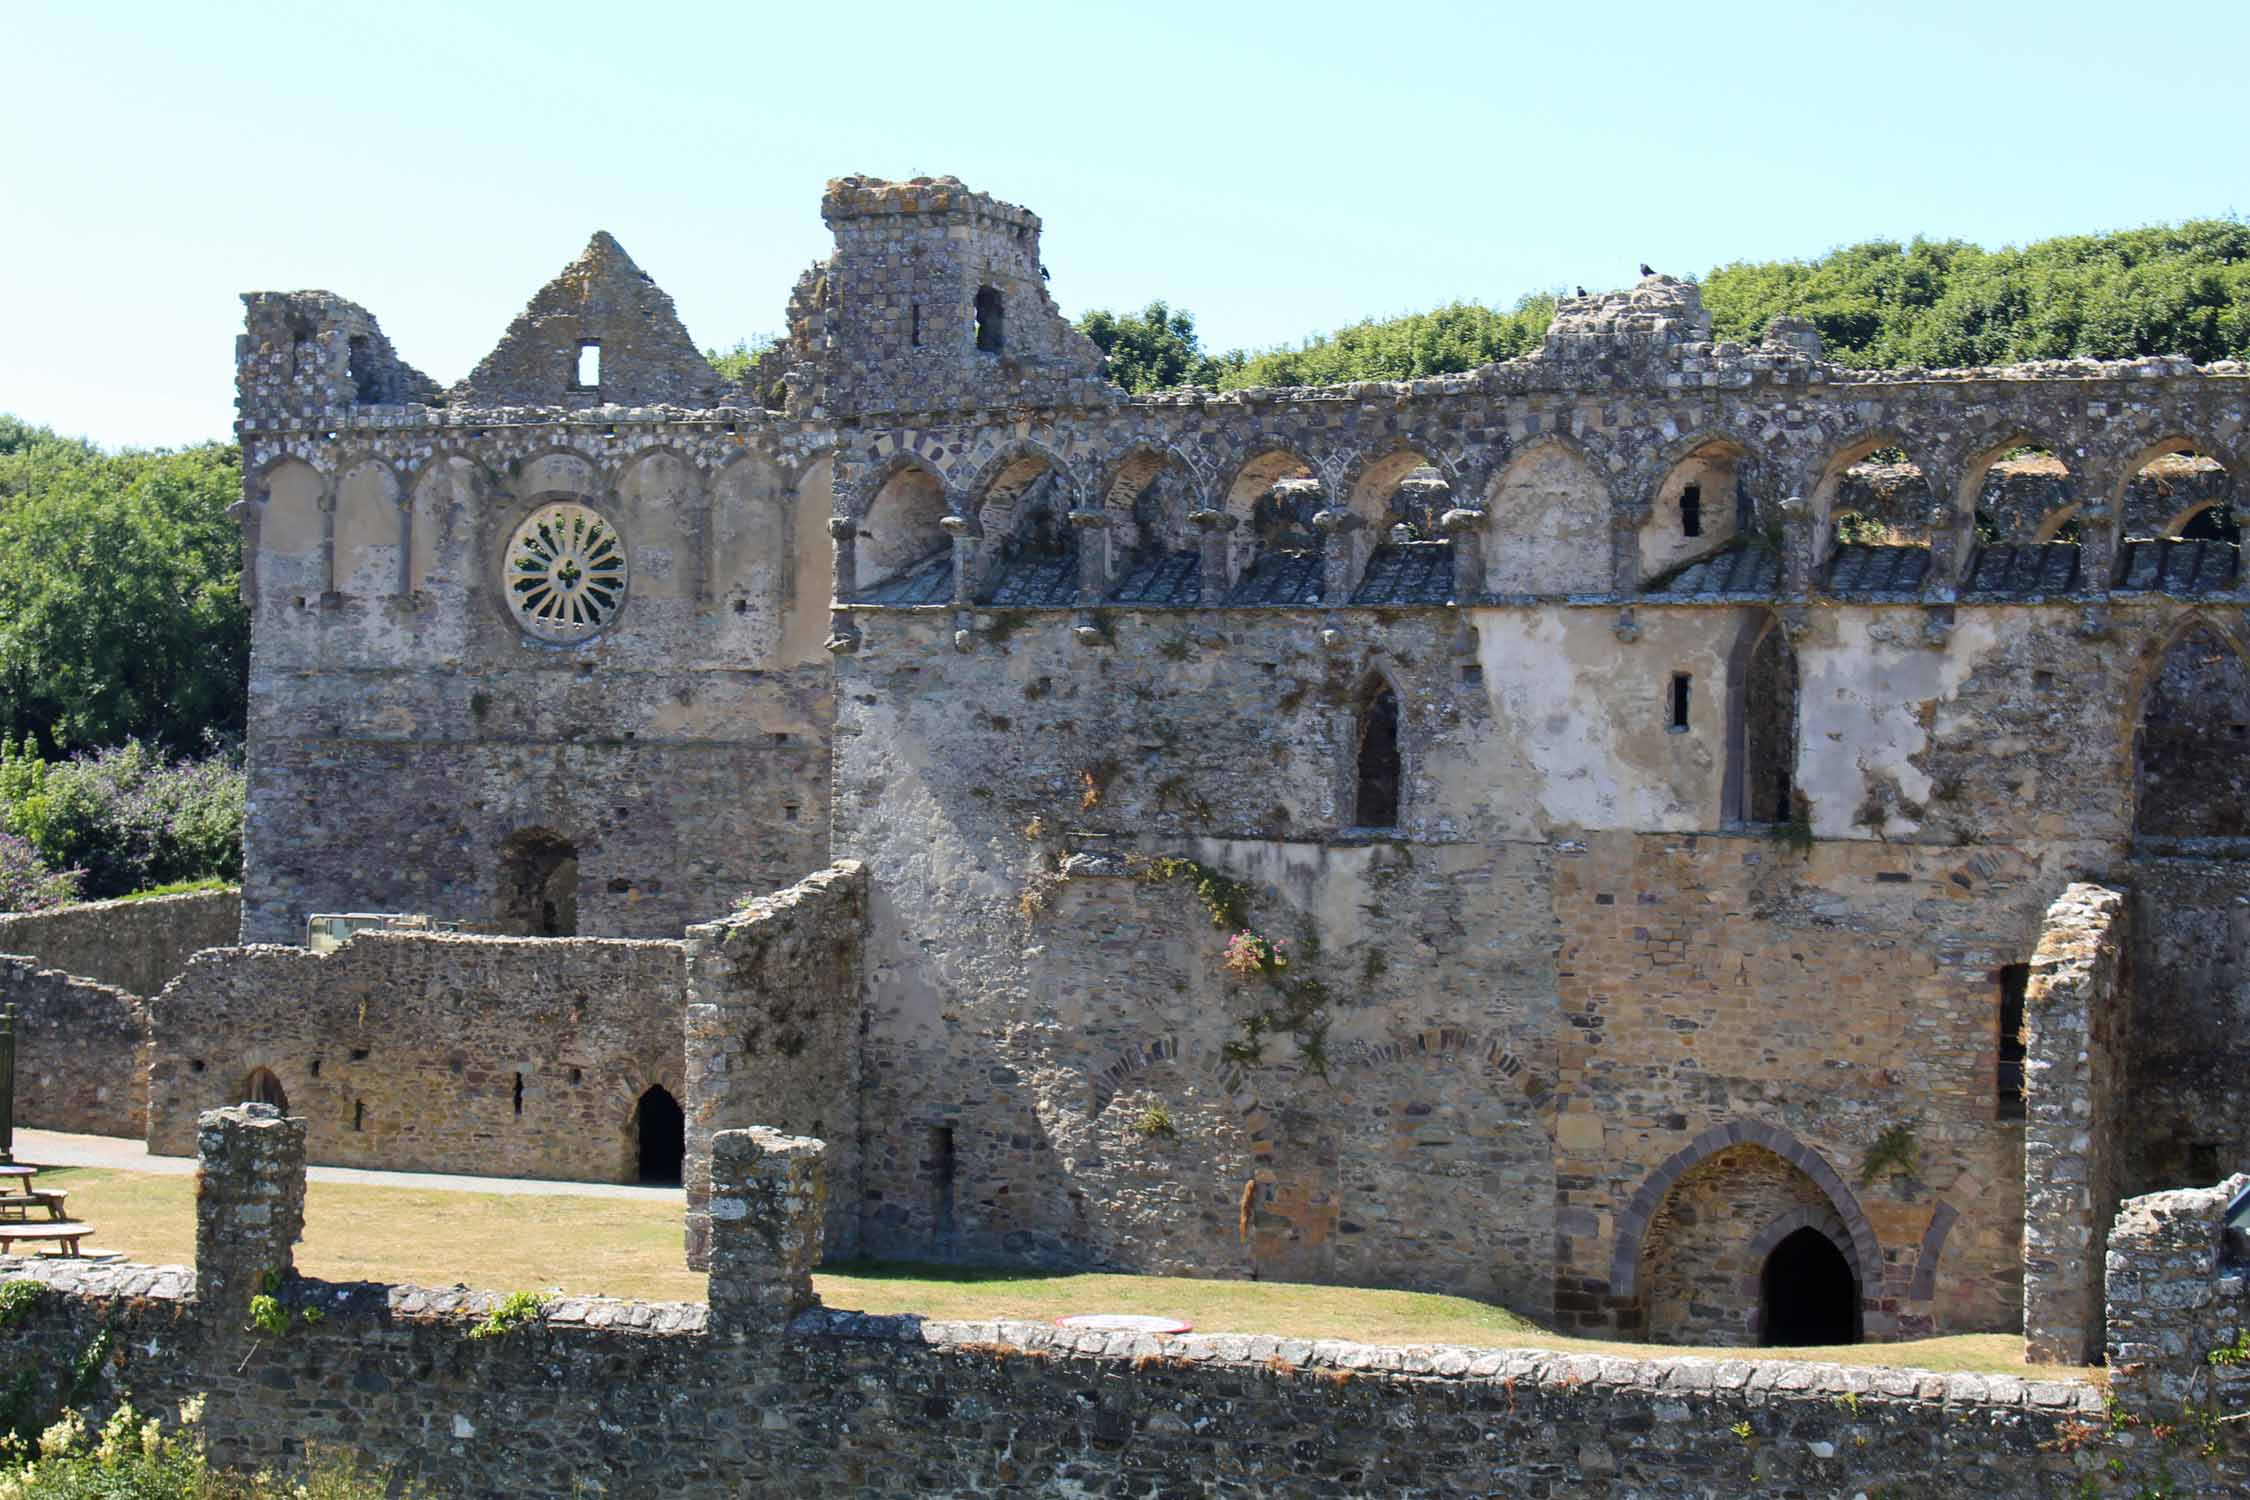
(1465, 529)
(1625, 521)
(769, 1199)
(2074, 1075)
(843, 630)
(1797, 542)
(249, 1205)
(2097, 558)
(1093, 555)
(1339, 555)
(963, 531)
(1214, 526)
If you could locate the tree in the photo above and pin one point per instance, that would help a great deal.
(1156, 349)
(122, 581)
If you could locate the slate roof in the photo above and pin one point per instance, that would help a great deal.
(1288, 579)
(1037, 580)
(2177, 567)
(1161, 578)
(928, 582)
(1742, 570)
(1870, 572)
(2022, 570)
(1408, 573)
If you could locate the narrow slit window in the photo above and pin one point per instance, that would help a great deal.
(1682, 687)
(359, 1114)
(2007, 1080)
(991, 329)
(1691, 510)
(519, 1093)
(1381, 773)
(914, 332)
(590, 364)
(941, 1170)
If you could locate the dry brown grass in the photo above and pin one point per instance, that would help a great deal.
(630, 1247)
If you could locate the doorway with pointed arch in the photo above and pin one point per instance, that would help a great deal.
(659, 1137)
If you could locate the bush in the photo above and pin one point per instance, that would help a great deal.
(26, 884)
(126, 817)
(135, 1459)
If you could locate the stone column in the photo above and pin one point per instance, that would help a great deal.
(769, 1199)
(2097, 558)
(249, 1205)
(1465, 529)
(1797, 542)
(843, 630)
(1214, 526)
(963, 531)
(1092, 527)
(1340, 537)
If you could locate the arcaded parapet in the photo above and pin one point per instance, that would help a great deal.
(437, 1053)
(600, 334)
(81, 1051)
(774, 1036)
(2179, 1292)
(137, 945)
(2075, 1012)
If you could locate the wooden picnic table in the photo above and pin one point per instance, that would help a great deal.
(35, 1213)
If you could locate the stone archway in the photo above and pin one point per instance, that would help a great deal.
(1782, 1179)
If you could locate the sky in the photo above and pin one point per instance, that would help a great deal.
(1279, 170)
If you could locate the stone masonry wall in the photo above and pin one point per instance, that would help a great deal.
(2190, 1025)
(2179, 1292)
(2075, 1074)
(719, 1400)
(135, 945)
(773, 1037)
(81, 1051)
(431, 1052)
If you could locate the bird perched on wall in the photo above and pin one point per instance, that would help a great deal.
(1045, 274)
(1647, 269)
(1581, 291)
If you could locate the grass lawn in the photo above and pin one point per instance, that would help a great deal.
(625, 1247)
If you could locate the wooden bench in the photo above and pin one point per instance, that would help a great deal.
(16, 1208)
(61, 1229)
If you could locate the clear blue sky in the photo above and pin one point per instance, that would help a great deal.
(1279, 170)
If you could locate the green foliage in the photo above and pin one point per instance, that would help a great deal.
(514, 1311)
(1894, 1150)
(2167, 289)
(136, 1458)
(1459, 336)
(18, 1296)
(1156, 349)
(2236, 1353)
(123, 580)
(1226, 900)
(1155, 1123)
(27, 883)
(127, 818)
(734, 365)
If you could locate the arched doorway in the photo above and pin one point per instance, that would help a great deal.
(1807, 1294)
(538, 885)
(263, 1088)
(660, 1131)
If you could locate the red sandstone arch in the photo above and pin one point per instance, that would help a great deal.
(1866, 1252)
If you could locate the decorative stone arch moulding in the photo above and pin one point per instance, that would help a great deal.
(1633, 1220)
(1109, 1079)
(1641, 483)
(1437, 1043)
(2122, 466)
(1353, 467)
(1504, 462)
(1830, 1228)
(855, 494)
(1819, 478)
(2233, 628)
(980, 477)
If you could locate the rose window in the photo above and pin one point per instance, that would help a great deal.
(565, 573)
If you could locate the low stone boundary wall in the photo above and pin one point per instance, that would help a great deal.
(81, 1051)
(599, 1396)
(2179, 1304)
(135, 945)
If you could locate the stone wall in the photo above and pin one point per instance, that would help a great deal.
(81, 1051)
(849, 1404)
(2190, 1027)
(431, 1052)
(2078, 1108)
(1523, 1022)
(773, 1036)
(135, 945)
(2179, 1292)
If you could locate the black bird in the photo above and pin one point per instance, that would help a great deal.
(1647, 269)
(1044, 275)
(1581, 291)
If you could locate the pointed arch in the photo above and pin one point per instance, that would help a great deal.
(1548, 522)
(1378, 758)
(1699, 500)
(1371, 481)
(1827, 482)
(1995, 463)
(1762, 717)
(369, 545)
(901, 528)
(289, 531)
(2190, 748)
(1633, 1221)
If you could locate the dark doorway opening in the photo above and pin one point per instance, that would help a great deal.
(662, 1132)
(1379, 769)
(538, 885)
(1769, 709)
(991, 325)
(264, 1088)
(1807, 1293)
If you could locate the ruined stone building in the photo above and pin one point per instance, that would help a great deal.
(1591, 833)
